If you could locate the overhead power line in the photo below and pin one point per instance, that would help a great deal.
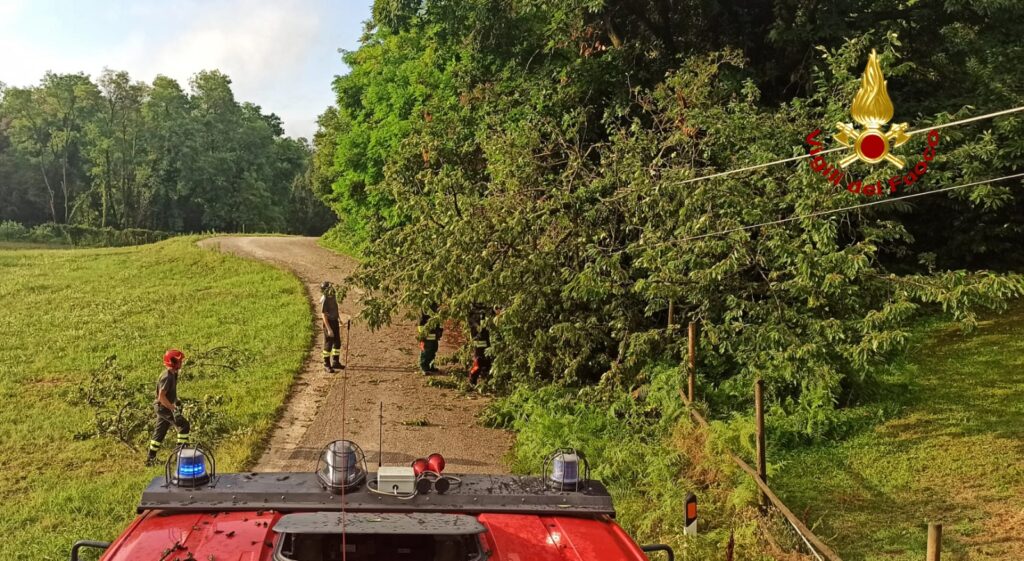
(805, 156)
(844, 209)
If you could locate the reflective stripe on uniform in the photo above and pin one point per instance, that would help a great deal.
(335, 352)
(327, 354)
(154, 445)
(480, 344)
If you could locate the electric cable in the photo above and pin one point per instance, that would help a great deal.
(344, 399)
(830, 150)
(842, 209)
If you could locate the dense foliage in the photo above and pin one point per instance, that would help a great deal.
(124, 154)
(530, 157)
(51, 233)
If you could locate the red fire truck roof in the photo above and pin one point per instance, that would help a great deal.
(249, 536)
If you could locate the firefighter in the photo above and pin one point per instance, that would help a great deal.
(429, 341)
(481, 342)
(167, 405)
(332, 329)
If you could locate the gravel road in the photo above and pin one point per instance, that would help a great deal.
(382, 369)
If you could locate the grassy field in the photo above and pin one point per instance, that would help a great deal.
(954, 455)
(64, 312)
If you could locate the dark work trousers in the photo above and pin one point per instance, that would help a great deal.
(481, 365)
(428, 350)
(164, 419)
(332, 343)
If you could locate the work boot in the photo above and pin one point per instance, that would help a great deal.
(327, 367)
(151, 460)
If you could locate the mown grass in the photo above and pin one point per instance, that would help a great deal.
(64, 312)
(953, 454)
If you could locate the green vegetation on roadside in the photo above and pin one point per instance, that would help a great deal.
(949, 449)
(564, 165)
(643, 446)
(536, 161)
(50, 233)
(65, 312)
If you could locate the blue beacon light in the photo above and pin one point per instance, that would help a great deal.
(191, 468)
(194, 466)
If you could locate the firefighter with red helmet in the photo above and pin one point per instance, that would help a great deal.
(167, 405)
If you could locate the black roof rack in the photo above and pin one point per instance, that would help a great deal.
(301, 492)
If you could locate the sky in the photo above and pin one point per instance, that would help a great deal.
(280, 54)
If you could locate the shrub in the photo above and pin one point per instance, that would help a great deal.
(11, 231)
(635, 443)
(77, 235)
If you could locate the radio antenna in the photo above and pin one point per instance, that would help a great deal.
(380, 433)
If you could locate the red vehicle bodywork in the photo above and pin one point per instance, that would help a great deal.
(249, 536)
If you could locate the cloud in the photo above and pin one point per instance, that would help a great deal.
(258, 44)
(280, 54)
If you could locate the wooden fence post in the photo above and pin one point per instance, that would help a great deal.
(692, 335)
(762, 470)
(934, 542)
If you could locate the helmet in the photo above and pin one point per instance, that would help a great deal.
(173, 358)
(325, 285)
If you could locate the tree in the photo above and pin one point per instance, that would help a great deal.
(48, 123)
(170, 131)
(131, 155)
(532, 159)
(117, 151)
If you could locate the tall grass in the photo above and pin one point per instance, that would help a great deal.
(64, 312)
(641, 445)
(941, 441)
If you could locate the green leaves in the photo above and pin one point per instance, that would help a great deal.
(124, 154)
(534, 160)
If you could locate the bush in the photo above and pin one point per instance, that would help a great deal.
(643, 448)
(48, 233)
(11, 231)
(83, 236)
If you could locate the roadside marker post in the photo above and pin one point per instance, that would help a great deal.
(690, 529)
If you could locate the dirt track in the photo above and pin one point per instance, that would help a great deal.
(382, 368)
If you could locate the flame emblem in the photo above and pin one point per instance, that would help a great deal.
(872, 108)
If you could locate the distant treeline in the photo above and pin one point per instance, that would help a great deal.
(117, 153)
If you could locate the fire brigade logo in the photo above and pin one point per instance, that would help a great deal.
(872, 108)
